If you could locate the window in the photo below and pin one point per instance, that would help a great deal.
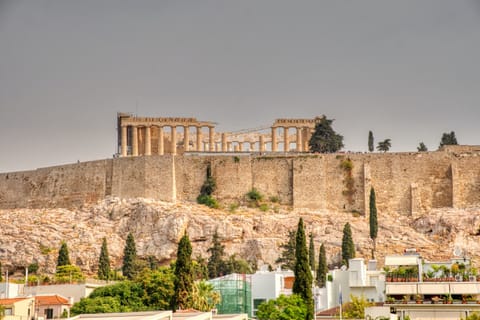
(49, 313)
(8, 312)
(256, 303)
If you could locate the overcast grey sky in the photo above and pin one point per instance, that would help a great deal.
(407, 70)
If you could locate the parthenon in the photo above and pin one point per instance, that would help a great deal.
(157, 136)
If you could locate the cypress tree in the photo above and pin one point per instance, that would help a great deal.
(287, 258)
(1, 272)
(370, 141)
(302, 284)
(322, 267)
(373, 221)
(311, 253)
(63, 257)
(348, 247)
(215, 262)
(182, 298)
(129, 257)
(104, 262)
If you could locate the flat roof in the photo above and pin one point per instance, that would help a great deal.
(146, 315)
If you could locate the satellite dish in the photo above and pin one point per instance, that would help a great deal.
(457, 251)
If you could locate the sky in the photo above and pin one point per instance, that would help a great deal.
(406, 70)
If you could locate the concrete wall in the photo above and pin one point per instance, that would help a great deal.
(404, 182)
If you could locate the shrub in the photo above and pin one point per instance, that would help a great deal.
(208, 200)
(233, 207)
(274, 199)
(254, 195)
(264, 207)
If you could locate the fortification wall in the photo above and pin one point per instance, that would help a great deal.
(59, 186)
(404, 182)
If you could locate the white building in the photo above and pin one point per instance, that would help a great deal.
(357, 280)
(267, 285)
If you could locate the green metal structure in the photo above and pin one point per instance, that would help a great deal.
(236, 292)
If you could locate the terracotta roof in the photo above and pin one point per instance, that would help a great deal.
(9, 301)
(51, 300)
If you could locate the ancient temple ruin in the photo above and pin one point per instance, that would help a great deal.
(157, 136)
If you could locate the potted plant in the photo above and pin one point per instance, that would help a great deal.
(448, 299)
(390, 300)
(418, 299)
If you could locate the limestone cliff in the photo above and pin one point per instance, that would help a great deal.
(28, 235)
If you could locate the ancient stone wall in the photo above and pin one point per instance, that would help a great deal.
(408, 183)
(59, 186)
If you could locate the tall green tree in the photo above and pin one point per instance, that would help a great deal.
(384, 145)
(348, 247)
(287, 257)
(325, 139)
(1, 272)
(373, 221)
(63, 257)
(104, 262)
(215, 261)
(370, 141)
(311, 252)
(448, 139)
(422, 147)
(129, 257)
(183, 283)
(322, 267)
(302, 284)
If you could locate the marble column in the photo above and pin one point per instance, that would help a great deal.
(211, 138)
(224, 142)
(173, 136)
(299, 140)
(186, 138)
(286, 143)
(134, 141)
(160, 141)
(274, 139)
(229, 146)
(261, 146)
(199, 139)
(240, 146)
(252, 146)
(124, 141)
(148, 141)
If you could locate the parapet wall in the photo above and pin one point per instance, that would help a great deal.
(404, 182)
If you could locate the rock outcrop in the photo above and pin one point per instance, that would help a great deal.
(35, 235)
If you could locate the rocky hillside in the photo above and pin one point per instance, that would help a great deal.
(28, 235)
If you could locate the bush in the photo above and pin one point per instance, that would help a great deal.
(233, 207)
(254, 195)
(207, 200)
(274, 199)
(264, 207)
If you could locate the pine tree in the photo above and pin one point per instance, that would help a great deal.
(311, 253)
(129, 257)
(287, 258)
(448, 139)
(302, 284)
(63, 258)
(422, 147)
(373, 220)
(325, 139)
(370, 141)
(215, 262)
(348, 247)
(182, 298)
(104, 262)
(322, 267)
